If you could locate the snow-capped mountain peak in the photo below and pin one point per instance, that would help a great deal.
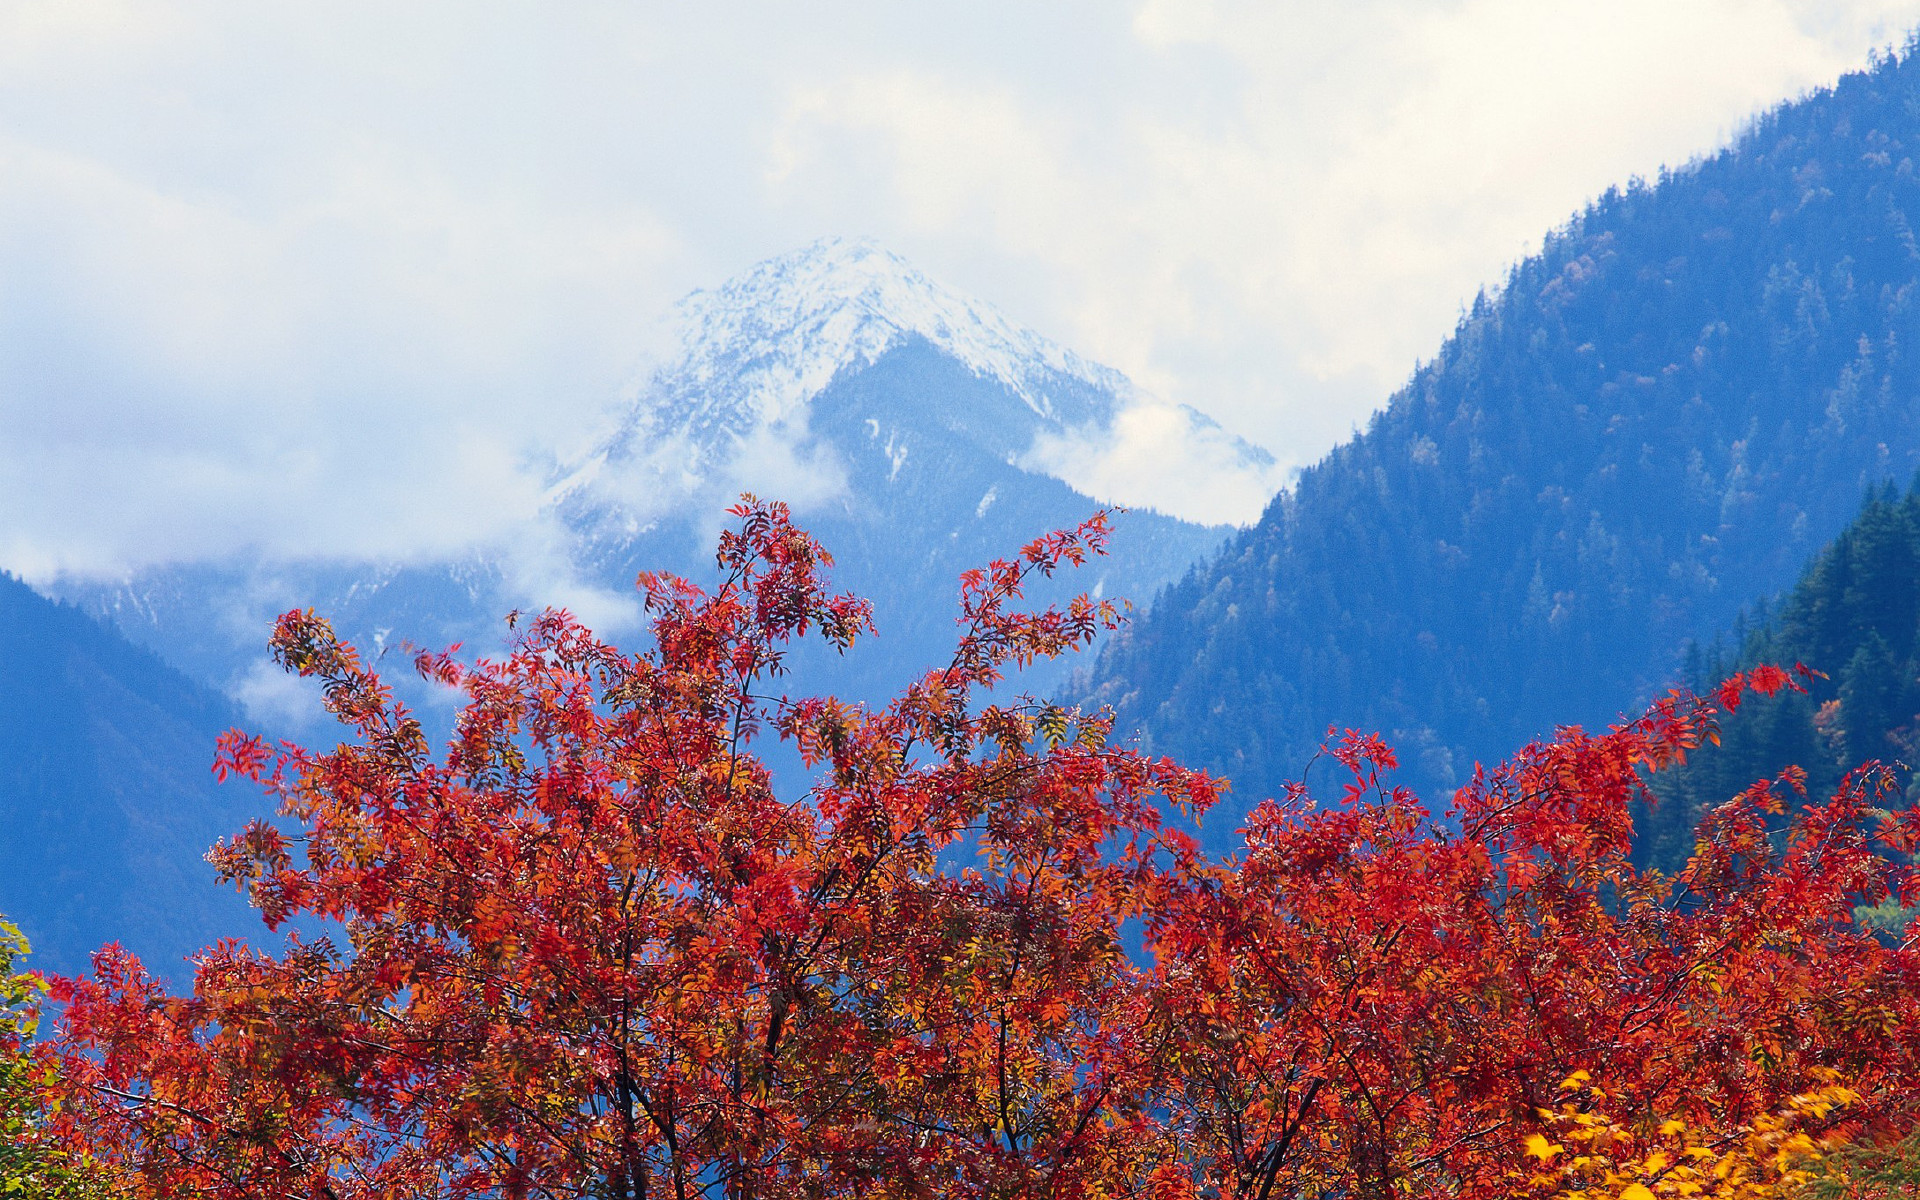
(752, 352)
(738, 399)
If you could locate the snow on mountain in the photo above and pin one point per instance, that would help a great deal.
(753, 355)
(776, 336)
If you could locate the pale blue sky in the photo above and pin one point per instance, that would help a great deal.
(313, 278)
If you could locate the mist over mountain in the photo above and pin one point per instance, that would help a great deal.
(1657, 419)
(918, 433)
(107, 802)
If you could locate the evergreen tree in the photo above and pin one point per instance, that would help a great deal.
(1853, 617)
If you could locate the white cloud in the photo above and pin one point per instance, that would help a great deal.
(1157, 455)
(274, 696)
(322, 280)
(781, 462)
(537, 569)
(275, 321)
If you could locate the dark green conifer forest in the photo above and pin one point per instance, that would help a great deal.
(1854, 617)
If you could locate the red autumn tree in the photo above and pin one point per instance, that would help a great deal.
(591, 950)
(1376, 1005)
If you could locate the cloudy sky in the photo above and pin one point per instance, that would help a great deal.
(314, 279)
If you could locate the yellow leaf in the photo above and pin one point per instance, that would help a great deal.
(1541, 1148)
(1635, 1191)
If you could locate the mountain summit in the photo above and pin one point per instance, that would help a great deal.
(752, 357)
(918, 431)
(779, 334)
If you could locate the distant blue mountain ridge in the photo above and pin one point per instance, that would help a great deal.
(107, 801)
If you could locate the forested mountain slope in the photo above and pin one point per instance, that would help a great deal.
(1657, 419)
(1854, 616)
(107, 802)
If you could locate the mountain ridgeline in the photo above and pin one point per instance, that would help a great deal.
(931, 488)
(1658, 418)
(106, 795)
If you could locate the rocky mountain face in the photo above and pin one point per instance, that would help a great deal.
(755, 353)
(1659, 418)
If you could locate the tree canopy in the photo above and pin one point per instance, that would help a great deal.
(590, 950)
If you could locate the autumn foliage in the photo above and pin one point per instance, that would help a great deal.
(591, 949)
